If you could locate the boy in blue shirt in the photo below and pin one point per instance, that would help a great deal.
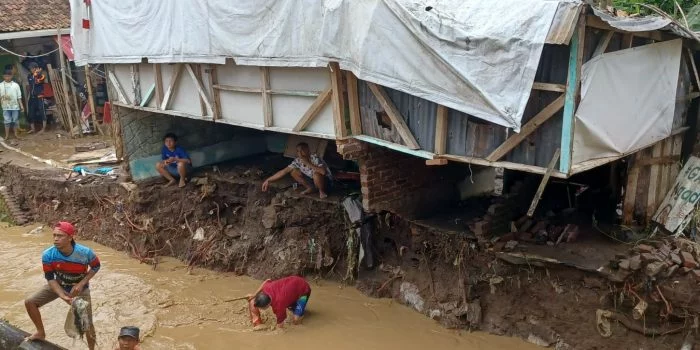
(175, 161)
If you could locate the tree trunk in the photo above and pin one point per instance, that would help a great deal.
(12, 338)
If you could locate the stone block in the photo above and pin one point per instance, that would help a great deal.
(688, 260)
(654, 268)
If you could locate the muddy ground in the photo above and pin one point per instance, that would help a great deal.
(449, 278)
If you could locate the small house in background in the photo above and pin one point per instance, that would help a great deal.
(428, 100)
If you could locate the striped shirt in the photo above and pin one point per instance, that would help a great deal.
(69, 270)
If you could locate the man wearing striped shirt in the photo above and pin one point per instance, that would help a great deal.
(68, 268)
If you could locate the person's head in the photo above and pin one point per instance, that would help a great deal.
(303, 150)
(7, 75)
(63, 234)
(128, 338)
(262, 300)
(33, 67)
(170, 140)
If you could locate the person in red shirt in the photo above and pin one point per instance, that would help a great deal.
(291, 293)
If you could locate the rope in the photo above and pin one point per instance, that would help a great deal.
(24, 56)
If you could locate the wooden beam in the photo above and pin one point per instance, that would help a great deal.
(627, 40)
(441, 125)
(136, 82)
(693, 68)
(200, 89)
(159, 84)
(396, 147)
(533, 169)
(64, 81)
(354, 104)
(237, 88)
(530, 127)
(171, 87)
(549, 87)
(213, 81)
(120, 91)
(91, 99)
(394, 115)
(543, 184)
(438, 161)
(266, 98)
(630, 193)
(314, 110)
(594, 21)
(603, 43)
(341, 129)
(149, 95)
(572, 90)
(198, 74)
(298, 93)
(654, 179)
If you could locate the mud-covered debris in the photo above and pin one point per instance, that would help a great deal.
(36, 231)
(129, 186)
(624, 264)
(269, 217)
(688, 260)
(410, 294)
(493, 281)
(635, 262)
(199, 234)
(671, 270)
(537, 340)
(653, 268)
(676, 259)
(510, 245)
(696, 274)
(643, 248)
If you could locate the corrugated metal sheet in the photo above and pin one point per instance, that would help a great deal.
(564, 23)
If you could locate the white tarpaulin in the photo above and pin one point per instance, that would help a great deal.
(628, 99)
(675, 211)
(476, 56)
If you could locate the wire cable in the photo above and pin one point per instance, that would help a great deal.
(26, 56)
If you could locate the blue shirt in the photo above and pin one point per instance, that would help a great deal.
(71, 269)
(178, 153)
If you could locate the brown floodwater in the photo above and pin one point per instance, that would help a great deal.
(180, 310)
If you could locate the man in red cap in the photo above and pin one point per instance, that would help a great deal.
(68, 268)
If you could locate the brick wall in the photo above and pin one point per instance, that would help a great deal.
(398, 182)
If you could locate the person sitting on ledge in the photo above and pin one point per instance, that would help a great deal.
(307, 169)
(175, 161)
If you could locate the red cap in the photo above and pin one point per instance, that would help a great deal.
(66, 227)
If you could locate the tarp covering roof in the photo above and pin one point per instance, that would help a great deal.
(476, 56)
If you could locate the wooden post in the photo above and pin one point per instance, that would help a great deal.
(341, 129)
(354, 104)
(543, 184)
(91, 100)
(198, 74)
(266, 98)
(215, 93)
(136, 83)
(441, 130)
(572, 89)
(64, 80)
(159, 84)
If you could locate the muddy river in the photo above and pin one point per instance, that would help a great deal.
(177, 310)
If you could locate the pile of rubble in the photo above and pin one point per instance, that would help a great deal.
(661, 260)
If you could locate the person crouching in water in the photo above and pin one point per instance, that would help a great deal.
(128, 339)
(286, 293)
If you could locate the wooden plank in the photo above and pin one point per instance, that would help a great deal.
(58, 93)
(91, 99)
(341, 129)
(120, 91)
(136, 82)
(438, 161)
(441, 124)
(654, 178)
(149, 96)
(313, 110)
(73, 91)
(299, 93)
(543, 183)
(594, 21)
(603, 43)
(171, 87)
(693, 68)
(549, 87)
(544, 115)
(198, 74)
(627, 40)
(533, 169)
(396, 147)
(668, 159)
(237, 88)
(630, 192)
(200, 89)
(159, 84)
(213, 81)
(665, 184)
(395, 116)
(64, 81)
(266, 98)
(572, 91)
(354, 104)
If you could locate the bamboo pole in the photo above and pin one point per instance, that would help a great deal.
(64, 81)
(91, 101)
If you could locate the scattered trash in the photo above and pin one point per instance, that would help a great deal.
(199, 234)
(36, 230)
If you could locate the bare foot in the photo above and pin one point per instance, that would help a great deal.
(322, 195)
(36, 336)
(307, 191)
(260, 327)
(170, 183)
(182, 183)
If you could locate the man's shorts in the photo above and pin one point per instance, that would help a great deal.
(329, 183)
(173, 169)
(11, 117)
(300, 306)
(45, 295)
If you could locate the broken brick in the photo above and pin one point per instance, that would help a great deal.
(643, 248)
(688, 260)
(648, 257)
(635, 262)
(652, 269)
(676, 259)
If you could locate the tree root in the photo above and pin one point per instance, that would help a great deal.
(637, 327)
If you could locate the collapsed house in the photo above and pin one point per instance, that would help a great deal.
(557, 90)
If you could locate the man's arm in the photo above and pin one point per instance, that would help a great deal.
(278, 175)
(94, 267)
(56, 288)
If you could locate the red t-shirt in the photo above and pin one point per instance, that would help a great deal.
(284, 293)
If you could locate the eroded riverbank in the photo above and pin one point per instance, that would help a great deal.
(177, 310)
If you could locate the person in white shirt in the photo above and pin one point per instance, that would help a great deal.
(11, 99)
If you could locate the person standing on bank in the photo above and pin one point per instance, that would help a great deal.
(11, 98)
(36, 112)
(175, 161)
(68, 268)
